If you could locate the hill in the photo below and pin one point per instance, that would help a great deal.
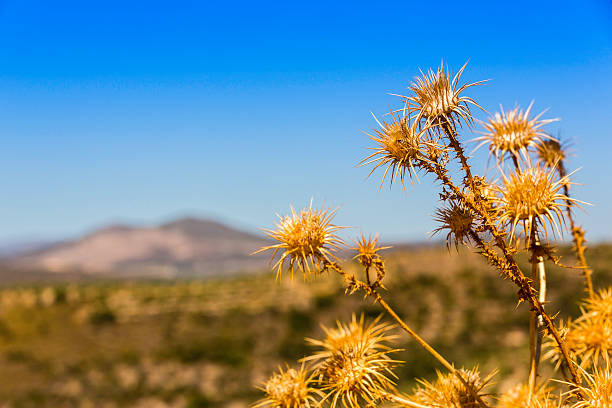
(185, 247)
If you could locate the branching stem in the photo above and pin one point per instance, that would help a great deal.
(507, 265)
(451, 133)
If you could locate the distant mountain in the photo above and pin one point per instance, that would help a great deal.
(185, 247)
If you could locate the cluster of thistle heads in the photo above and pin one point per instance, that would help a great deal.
(525, 204)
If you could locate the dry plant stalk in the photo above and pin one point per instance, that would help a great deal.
(354, 367)
(552, 154)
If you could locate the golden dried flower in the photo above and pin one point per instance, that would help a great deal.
(518, 396)
(588, 338)
(306, 240)
(458, 220)
(513, 132)
(449, 392)
(399, 147)
(353, 365)
(436, 97)
(532, 195)
(600, 304)
(598, 389)
(367, 250)
(550, 152)
(289, 388)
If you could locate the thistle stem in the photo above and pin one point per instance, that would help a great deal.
(370, 290)
(451, 132)
(535, 324)
(542, 299)
(577, 234)
(374, 293)
(507, 265)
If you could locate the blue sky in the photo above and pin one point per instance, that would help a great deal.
(143, 111)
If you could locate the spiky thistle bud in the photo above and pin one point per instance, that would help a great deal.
(513, 132)
(367, 254)
(353, 364)
(306, 240)
(458, 220)
(551, 152)
(449, 392)
(400, 146)
(289, 388)
(532, 195)
(437, 96)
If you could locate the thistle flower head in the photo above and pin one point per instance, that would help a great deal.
(551, 152)
(588, 338)
(437, 97)
(399, 147)
(597, 390)
(449, 392)
(367, 250)
(532, 195)
(513, 132)
(600, 304)
(289, 388)
(458, 220)
(518, 397)
(353, 364)
(306, 240)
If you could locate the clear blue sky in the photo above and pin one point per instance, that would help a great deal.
(142, 111)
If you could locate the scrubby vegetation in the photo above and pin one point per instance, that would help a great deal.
(210, 343)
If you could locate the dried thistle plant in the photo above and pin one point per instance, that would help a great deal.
(352, 366)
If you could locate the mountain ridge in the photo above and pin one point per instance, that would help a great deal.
(187, 246)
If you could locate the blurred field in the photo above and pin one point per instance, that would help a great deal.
(197, 343)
